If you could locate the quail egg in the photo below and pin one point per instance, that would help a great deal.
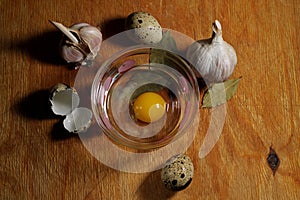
(178, 173)
(145, 29)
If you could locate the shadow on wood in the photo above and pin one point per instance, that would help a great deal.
(35, 105)
(112, 27)
(202, 84)
(43, 47)
(153, 189)
(60, 133)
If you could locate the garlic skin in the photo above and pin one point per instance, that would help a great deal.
(81, 42)
(213, 58)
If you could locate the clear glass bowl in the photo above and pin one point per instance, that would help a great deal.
(132, 71)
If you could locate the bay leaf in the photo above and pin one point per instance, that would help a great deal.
(220, 93)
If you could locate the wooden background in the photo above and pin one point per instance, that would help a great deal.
(38, 160)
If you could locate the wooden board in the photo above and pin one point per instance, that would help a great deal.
(38, 160)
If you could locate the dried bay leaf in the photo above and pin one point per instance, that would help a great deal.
(220, 93)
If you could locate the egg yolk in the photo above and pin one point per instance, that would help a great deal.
(149, 107)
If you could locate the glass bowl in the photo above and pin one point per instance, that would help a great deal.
(134, 70)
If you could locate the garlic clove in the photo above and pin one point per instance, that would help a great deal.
(213, 58)
(78, 121)
(78, 26)
(93, 38)
(71, 54)
(66, 31)
(81, 42)
(63, 99)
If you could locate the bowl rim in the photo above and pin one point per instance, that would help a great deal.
(96, 87)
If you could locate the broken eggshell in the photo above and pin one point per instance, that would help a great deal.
(78, 121)
(63, 99)
(64, 102)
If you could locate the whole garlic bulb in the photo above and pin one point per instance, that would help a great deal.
(213, 58)
(81, 42)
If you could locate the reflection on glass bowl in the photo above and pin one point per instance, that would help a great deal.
(128, 74)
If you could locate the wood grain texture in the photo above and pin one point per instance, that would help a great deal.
(38, 160)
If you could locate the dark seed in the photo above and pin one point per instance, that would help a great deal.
(182, 175)
(140, 21)
(273, 160)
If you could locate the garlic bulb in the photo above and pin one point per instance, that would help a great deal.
(213, 58)
(81, 42)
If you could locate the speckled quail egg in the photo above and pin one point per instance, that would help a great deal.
(145, 29)
(178, 173)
